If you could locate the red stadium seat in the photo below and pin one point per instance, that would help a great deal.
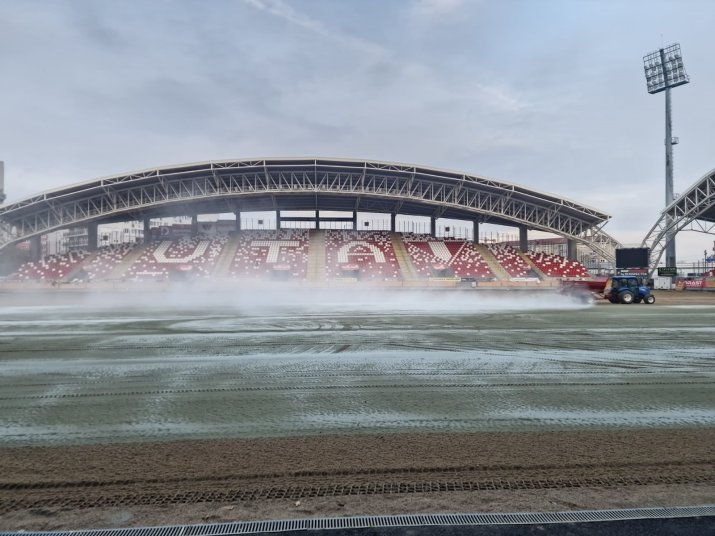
(431, 256)
(281, 254)
(194, 257)
(511, 261)
(107, 259)
(52, 267)
(558, 266)
(366, 255)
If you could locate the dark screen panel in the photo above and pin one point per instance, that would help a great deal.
(632, 257)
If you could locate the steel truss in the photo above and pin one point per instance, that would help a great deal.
(684, 211)
(6, 234)
(140, 193)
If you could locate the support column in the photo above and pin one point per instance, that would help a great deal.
(194, 224)
(238, 220)
(670, 260)
(355, 222)
(278, 219)
(433, 226)
(35, 248)
(523, 239)
(571, 249)
(393, 221)
(317, 219)
(475, 231)
(92, 229)
(147, 230)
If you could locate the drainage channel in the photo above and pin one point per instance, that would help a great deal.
(416, 520)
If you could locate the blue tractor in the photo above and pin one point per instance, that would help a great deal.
(627, 289)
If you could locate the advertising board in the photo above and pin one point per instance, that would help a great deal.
(667, 271)
(694, 284)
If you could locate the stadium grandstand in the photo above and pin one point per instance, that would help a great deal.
(287, 255)
(301, 193)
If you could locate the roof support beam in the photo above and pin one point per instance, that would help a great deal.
(241, 183)
(697, 202)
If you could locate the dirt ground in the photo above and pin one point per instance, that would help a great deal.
(47, 488)
(683, 297)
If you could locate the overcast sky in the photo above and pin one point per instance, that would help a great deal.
(548, 94)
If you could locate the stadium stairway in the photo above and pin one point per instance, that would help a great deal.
(129, 259)
(409, 273)
(533, 266)
(222, 269)
(316, 256)
(496, 268)
(73, 273)
(77, 269)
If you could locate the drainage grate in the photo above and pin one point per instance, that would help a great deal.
(414, 520)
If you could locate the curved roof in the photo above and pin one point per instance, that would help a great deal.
(696, 204)
(698, 201)
(302, 163)
(298, 184)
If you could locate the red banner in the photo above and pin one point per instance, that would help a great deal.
(691, 283)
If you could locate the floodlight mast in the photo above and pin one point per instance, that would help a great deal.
(664, 70)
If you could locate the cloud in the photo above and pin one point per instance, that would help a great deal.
(501, 98)
(286, 12)
(431, 8)
(531, 95)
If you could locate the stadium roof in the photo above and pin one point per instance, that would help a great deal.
(698, 202)
(302, 184)
(695, 205)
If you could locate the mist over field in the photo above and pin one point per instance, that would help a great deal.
(303, 300)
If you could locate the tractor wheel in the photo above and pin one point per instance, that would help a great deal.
(626, 297)
(650, 299)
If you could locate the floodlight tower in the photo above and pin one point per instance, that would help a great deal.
(664, 70)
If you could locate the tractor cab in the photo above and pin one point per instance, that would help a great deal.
(627, 289)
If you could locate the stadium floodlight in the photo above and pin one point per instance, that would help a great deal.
(664, 70)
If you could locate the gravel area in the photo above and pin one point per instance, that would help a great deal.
(196, 481)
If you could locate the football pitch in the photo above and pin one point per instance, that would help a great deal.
(81, 370)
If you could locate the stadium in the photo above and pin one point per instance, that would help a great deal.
(356, 364)
(473, 322)
(305, 186)
(317, 235)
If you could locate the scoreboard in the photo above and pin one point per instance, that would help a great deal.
(632, 257)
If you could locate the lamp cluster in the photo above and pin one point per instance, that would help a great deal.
(664, 69)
